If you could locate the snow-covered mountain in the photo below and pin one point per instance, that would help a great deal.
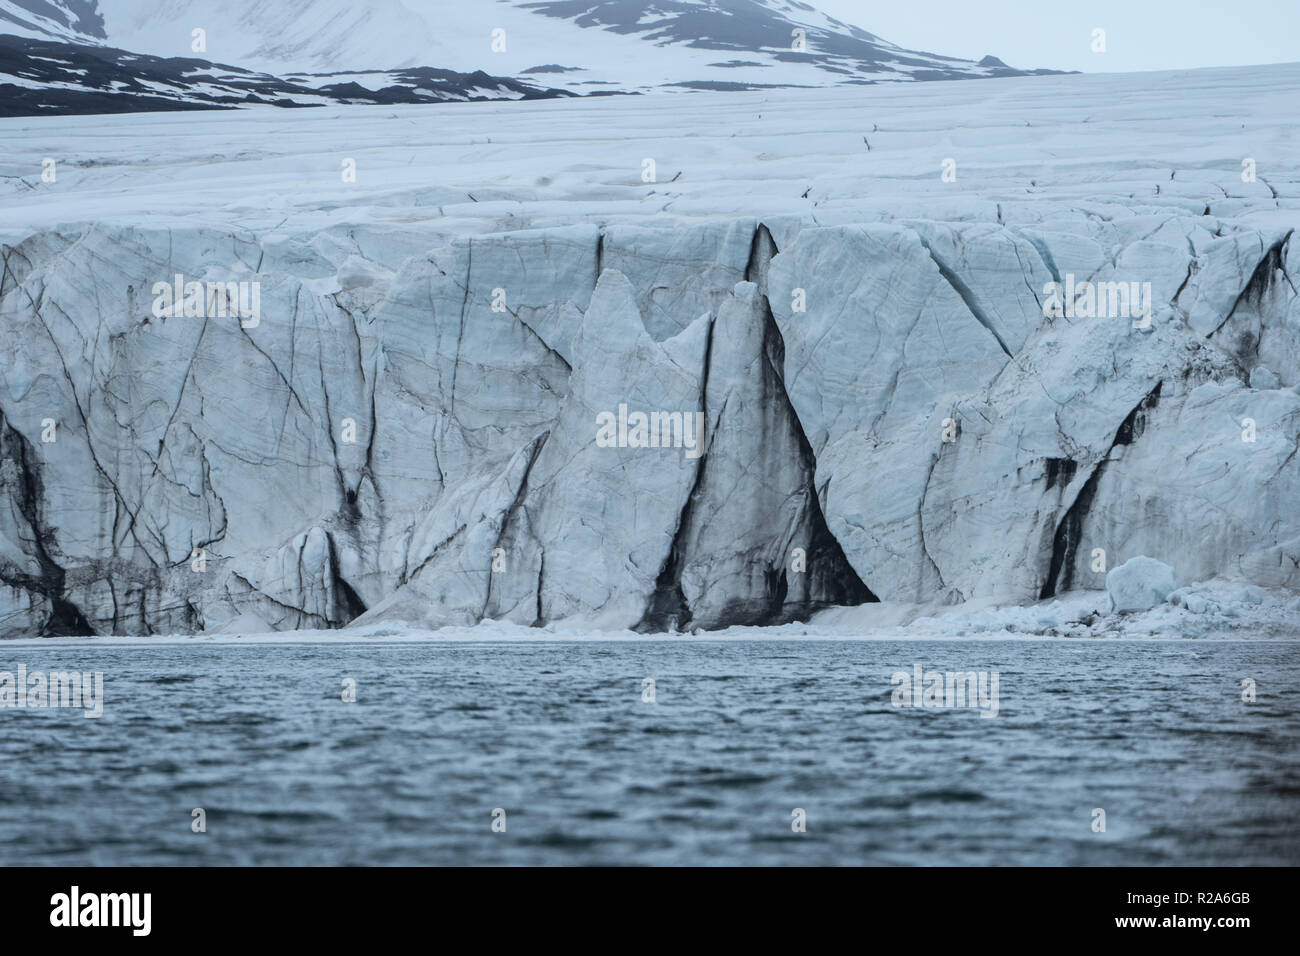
(381, 397)
(581, 45)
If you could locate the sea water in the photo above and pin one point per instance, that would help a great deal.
(655, 751)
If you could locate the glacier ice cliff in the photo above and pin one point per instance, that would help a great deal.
(408, 432)
(470, 484)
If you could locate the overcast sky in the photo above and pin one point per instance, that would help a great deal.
(1140, 34)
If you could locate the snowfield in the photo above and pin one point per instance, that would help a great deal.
(852, 285)
(1043, 148)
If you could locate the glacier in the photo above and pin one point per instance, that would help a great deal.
(849, 284)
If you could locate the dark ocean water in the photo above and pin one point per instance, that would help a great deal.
(741, 734)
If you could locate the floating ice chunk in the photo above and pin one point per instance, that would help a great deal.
(1191, 599)
(1253, 595)
(1263, 379)
(1139, 584)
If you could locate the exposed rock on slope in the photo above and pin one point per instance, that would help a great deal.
(45, 78)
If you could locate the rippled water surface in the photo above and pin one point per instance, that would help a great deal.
(741, 733)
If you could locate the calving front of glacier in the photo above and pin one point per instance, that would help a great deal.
(409, 432)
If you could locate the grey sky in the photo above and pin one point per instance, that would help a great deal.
(1140, 34)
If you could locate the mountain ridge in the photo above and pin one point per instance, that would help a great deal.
(621, 45)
